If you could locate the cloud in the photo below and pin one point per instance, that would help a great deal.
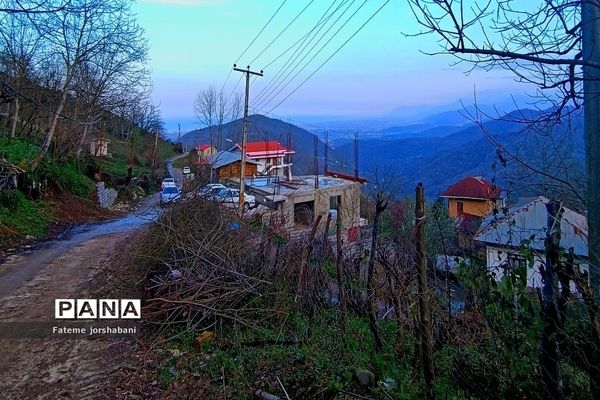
(184, 2)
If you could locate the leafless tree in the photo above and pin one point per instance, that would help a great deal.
(552, 44)
(205, 107)
(93, 36)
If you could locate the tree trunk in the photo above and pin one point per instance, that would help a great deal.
(15, 118)
(550, 359)
(83, 140)
(424, 311)
(380, 206)
(590, 20)
(50, 131)
(339, 267)
(306, 252)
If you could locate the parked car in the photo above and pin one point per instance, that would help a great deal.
(186, 170)
(169, 194)
(211, 189)
(168, 182)
(232, 197)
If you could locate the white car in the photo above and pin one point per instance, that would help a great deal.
(211, 189)
(232, 197)
(186, 170)
(170, 194)
(168, 182)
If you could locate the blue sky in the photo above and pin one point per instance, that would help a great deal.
(193, 44)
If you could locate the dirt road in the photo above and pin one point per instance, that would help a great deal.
(60, 366)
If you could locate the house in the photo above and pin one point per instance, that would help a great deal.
(527, 224)
(296, 204)
(270, 156)
(204, 153)
(473, 196)
(227, 165)
(99, 147)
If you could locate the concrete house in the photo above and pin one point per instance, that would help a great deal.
(297, 203)
(502, 235)
(205, 151)
(270, 156)
(472, 196)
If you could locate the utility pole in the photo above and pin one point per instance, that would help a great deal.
(590, 32)
(246, 72)
(424, 310)
(154, 150)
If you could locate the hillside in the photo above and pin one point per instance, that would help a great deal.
(440, 161)
(263, 128)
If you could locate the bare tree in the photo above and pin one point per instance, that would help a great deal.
(89, 36)
(205, 107)
(552, 44)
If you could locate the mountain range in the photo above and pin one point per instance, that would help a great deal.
(438, 151)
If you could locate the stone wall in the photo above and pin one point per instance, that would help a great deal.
(106, 196)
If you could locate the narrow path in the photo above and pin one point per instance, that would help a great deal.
(56, 367)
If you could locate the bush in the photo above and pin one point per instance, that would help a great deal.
(21, 216)
(68, 177)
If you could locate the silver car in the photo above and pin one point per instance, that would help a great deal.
(232, 197)
(169, 194)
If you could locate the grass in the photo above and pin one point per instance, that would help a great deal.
(120, 168)
(20, 217)
(319, 365)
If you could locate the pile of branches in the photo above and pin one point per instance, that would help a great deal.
(203, 266)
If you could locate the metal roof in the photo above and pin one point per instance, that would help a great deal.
(528, 221)
(473, 187)
(223, 158)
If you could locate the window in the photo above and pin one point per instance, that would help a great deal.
(459, 207)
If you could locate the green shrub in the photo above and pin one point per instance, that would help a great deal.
(68, 177)
(18, 152)
(22, 216)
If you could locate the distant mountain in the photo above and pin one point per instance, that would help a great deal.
(439, 162)
(261, 128)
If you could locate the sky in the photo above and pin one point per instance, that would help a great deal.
(194, 44)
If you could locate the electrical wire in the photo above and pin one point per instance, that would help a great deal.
(332, 55)
(261, 31)
(265, 103)
(292, 58)
(280, 33)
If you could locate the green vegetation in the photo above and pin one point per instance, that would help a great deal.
(20, 217)
(245, 315)
(120, 168)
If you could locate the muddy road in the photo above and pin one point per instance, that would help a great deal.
(51, 366)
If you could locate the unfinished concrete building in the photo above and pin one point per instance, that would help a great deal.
(297, 203)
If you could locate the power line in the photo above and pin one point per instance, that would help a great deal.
(261, 31)
(314, 55)
(332, 55)
(280, 33)
(291, 59)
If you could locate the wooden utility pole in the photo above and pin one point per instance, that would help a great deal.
(590, 31)
(246, 72)
(550, 359)
(154, 151)
(424, 311)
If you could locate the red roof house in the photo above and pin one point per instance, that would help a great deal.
(472, 195)
(269, 154)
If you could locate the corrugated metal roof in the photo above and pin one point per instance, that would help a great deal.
(472, 187)
(223, 158)
(528, 221)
